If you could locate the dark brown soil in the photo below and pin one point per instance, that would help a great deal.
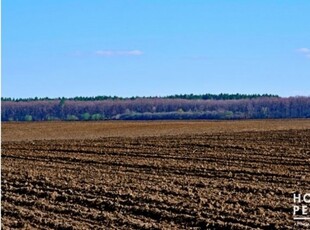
(204, 176)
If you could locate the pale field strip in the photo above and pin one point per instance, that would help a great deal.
(23, 131)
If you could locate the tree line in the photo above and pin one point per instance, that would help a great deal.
(155, 109)
(208, 96)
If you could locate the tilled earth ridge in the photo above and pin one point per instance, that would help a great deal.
(240, 180)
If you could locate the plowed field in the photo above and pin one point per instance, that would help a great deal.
(164, 175)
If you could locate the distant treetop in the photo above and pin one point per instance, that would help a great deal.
(208, 96)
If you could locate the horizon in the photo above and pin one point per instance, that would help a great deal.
(153, 96)
(137, 48)
(149, 97)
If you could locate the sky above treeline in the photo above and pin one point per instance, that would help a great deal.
(155, 48)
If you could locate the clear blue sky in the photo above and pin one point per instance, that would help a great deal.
(161, 47)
